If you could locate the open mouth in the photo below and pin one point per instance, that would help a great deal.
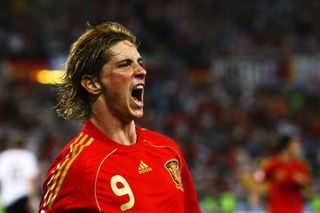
(137, 93)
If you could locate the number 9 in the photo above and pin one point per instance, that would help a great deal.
(125, 190)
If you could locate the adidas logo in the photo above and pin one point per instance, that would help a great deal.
(143, 168)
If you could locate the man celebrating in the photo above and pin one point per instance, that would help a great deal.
(112, 165)
(288, 176)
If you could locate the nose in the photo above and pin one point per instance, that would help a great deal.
(140, 72)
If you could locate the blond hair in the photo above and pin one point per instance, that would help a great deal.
(87, 56)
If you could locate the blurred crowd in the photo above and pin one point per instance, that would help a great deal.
(189, 30)
(223, 128)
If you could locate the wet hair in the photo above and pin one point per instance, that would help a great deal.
(87, 56)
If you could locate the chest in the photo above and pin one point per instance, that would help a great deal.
(139, 181)
(285, 170)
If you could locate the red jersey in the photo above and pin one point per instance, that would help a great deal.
(95, 174)
(285, 192)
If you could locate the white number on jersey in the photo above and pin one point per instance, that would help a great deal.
(125, 190)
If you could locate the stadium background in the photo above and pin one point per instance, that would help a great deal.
(224, 78)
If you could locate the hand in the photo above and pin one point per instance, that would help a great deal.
(301, 178)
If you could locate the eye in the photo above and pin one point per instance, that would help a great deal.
(141, 63)
(125, 63)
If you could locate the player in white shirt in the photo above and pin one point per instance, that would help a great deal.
(18, 173)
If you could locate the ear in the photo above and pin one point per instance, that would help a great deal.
(91, 84)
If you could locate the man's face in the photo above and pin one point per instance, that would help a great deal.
(122, 80)
(295, 147)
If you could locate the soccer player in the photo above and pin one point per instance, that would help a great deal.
(18, 175)
(112, 165)
(287, 175)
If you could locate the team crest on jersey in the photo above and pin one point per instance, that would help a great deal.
(174, 170)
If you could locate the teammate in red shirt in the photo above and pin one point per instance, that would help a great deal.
(287, 175)
(112, 165)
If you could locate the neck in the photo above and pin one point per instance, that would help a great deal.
(285, 156)
(121, 132)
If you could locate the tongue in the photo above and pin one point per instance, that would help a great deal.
(135, 98)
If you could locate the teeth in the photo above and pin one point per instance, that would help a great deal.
(139, 87)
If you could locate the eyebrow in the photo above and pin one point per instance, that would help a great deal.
(140, 60)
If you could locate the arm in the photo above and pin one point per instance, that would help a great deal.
(33, 193)
(302, 177)
(260, 178)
